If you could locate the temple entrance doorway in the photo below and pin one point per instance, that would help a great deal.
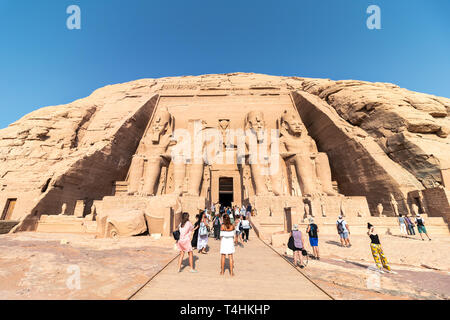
(8, 210)
(226, 191)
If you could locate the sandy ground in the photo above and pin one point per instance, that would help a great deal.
(422, 268)
(45, 266)
(39, 266)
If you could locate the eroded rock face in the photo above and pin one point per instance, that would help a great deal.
(412, 128)
(62, 154)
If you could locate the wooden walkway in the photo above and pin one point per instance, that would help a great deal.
(260, 273)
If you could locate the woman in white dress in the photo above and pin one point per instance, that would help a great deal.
(227, 234)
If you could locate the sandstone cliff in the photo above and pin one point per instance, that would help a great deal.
(63, 153)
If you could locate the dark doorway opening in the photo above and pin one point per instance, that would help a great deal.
(8, 210)
(226, 191)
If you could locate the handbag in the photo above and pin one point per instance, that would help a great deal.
(291, 244)
(176, 235)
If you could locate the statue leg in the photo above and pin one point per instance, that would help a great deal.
(306, 176)
(151, 176)
(276, 177)
(323, 172)
(136, 172)
(179, 172)
(195, 179)
(258, 179)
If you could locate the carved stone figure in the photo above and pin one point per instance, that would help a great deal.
(224, 125)
(380, 209)
(307, 209)
(394, 204)
(259, 151)
(310, 165)
(92, 215)
(154, 148)
(121, 223)
(415, 209)
(196, 166)
(63, 209)
(322, 207)
(342, 209)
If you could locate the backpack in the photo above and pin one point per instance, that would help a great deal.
(312, 230)
(203, 231)
(340, 227)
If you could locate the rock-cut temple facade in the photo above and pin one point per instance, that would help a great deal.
(128, 159)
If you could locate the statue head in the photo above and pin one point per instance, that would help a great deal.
(254, 121)
(292, 123)
(161, 122)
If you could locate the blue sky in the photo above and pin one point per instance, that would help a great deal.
(43, 63)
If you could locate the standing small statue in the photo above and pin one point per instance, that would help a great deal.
(342, 208)
(63, 209)
(394, 204)
(380, 210)
(415, 209)
(322, 207)
(307, 210)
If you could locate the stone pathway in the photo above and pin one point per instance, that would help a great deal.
(260, 273)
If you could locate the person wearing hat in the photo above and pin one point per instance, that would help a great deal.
(377, 251)
(420, 223)
(299, 241)
(313, 233)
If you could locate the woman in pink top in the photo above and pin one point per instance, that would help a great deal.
(184, 243)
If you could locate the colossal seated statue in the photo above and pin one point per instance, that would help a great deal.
(312, 167)
(153, 148)
(263, 158)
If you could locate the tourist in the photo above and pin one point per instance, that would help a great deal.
(402, 224)
(245, 223)
(410, 226)
(237, 212)
(298, 245)
(227, 233)
(243, 210)
(230, 214)
(249, 210)
(377, 251)
(203, 234)
(238, 228)
(343, 231)
(421, 227)
(198, 218)
(313, 233)
(208, 216)
(184, 242)
(216, 226)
